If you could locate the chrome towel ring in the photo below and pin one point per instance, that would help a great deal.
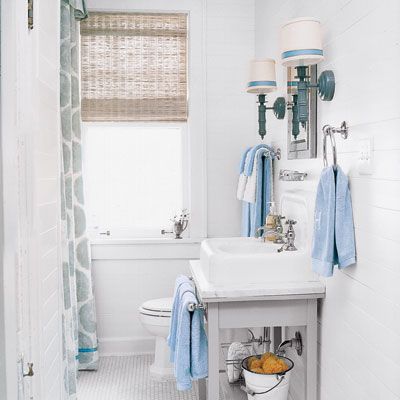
(330, 131)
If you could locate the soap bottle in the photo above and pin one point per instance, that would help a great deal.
(270, 223)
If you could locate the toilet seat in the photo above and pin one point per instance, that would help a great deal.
(157, 307)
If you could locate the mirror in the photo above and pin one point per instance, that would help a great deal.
(302, 140)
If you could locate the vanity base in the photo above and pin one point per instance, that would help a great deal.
(272, 310)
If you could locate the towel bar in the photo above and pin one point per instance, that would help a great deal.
(193, 306)
(329, 130)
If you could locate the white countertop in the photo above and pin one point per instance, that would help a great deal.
(250, 292)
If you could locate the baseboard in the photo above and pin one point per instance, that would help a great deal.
(126, 346)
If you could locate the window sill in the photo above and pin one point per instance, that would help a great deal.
(145, 249)
(139, 241)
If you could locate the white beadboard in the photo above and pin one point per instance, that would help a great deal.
(121, 286)
(359, 321)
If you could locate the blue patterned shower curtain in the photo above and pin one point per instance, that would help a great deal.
(79, 316)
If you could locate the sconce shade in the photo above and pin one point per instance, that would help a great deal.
(301, 42)
(262, 76)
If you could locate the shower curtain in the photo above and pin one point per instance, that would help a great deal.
(79, 316)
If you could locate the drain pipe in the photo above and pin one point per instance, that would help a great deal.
(295, 343)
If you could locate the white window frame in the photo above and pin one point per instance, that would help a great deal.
(195, 160)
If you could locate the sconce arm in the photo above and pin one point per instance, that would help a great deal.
(262, 116)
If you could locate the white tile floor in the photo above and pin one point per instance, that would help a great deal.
(127, 378)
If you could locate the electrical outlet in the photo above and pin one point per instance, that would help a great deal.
(365, 156)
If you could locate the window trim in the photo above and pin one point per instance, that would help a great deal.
(196, 123)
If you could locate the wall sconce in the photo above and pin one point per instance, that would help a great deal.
(263, 81)
(301, 40)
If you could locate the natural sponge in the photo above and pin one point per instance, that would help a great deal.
(274, 365)
(268, 363)
(254, 363)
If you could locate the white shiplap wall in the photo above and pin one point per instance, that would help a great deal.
(359, 321)
(44, 180)
(231, 112)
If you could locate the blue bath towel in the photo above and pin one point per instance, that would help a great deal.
(333, 242)
(243, 160)
(344, 225)
(182, 283)
(187, 339)
(199, 347)
(252, 153)
(254, 214)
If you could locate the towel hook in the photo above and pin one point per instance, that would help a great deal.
(330, 131)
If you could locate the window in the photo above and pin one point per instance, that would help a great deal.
(133, 178)
(143, 156)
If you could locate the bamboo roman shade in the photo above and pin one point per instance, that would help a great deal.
(134, 67)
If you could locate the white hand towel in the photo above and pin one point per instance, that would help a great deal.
(241, 186)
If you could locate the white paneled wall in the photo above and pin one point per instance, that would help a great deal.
(124, 277)
(46, 195)
(231, 112)
(359, 321)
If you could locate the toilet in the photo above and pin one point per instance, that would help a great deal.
(155, 315)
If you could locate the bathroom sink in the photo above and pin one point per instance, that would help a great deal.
(251, 261)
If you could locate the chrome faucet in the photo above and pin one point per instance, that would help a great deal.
(290, 237)
(279, 230)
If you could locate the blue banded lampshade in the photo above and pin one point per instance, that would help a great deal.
(301, 42)
(262, 76)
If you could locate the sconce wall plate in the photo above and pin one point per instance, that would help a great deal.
(279, 107)
(326, 85)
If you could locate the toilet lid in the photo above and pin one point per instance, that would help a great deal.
(160, 306)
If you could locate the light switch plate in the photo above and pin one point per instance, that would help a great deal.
(365, 156)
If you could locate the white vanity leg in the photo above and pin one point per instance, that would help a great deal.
(202, 389)
(311, 346)
(213, 351)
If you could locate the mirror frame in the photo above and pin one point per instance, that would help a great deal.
(303, 149)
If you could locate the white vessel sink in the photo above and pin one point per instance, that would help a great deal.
(250, 261)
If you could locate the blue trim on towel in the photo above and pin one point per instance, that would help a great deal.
(261, 83)
(303, 52)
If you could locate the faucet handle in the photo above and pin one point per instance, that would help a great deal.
(291, 222)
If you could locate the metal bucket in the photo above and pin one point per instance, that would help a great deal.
(267, 386)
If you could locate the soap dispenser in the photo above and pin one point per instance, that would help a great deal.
(270, 223)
